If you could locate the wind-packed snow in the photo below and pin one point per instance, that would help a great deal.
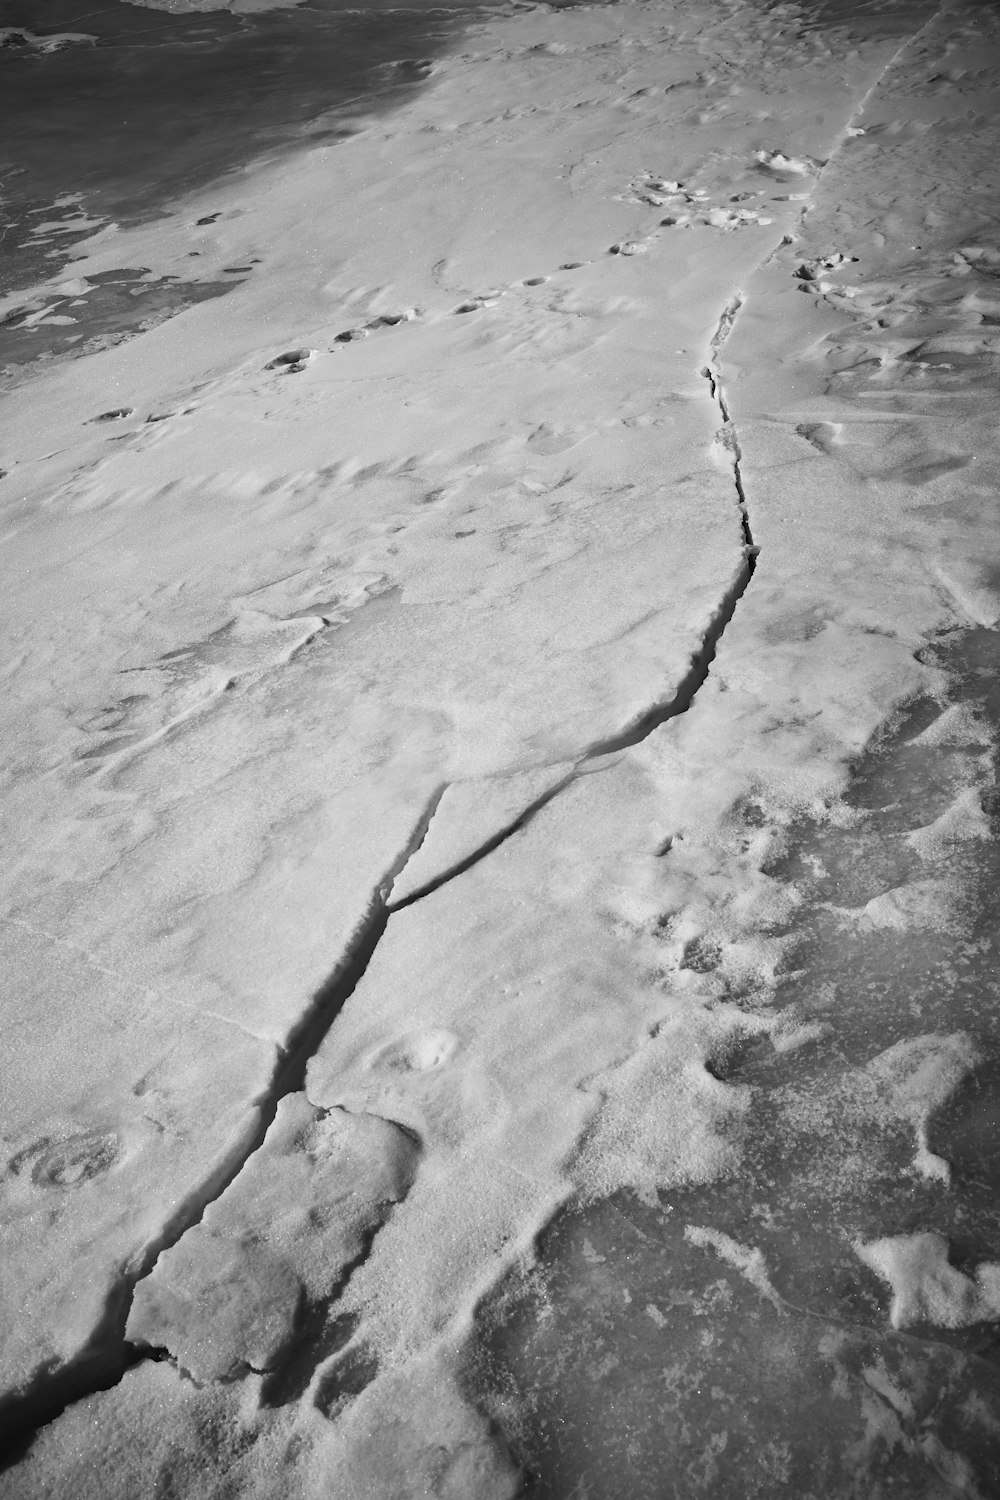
(499, 739)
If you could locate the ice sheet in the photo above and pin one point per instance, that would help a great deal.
(449, 678)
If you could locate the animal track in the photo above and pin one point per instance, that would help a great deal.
(690, 205)
(695, 208)
(489, 299)
(295, 360)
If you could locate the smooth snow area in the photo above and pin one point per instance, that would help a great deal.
(499, 734)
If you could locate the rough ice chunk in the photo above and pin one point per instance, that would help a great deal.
(229, 1295)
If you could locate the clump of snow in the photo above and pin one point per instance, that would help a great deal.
(665, 1118)
(749, 1262)
(916, 1077)
(920, 903)
(926, 1288)
(777, 161)
(961, 822)
(230, 1294)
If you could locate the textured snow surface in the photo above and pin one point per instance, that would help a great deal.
(499, 729)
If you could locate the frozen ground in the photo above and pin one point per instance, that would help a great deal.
(500, 723)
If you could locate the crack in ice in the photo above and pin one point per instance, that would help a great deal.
(107, 1356)
(848, 128)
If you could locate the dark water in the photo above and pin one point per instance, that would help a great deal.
(156, 105)
(637, 1352)
(159, 104)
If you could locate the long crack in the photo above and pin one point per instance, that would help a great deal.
(108, 1355)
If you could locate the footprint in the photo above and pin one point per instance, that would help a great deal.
(823, 435)
(392, 320)
(534, 281)
(292, 361)
(344, 1379)
(209, 218)
(548, 440)
(651, 189)
(70, 1161)
(571, 265)
(628, 247)
(480, 300)
(418, 1052)
(382, 320)
(114, 415)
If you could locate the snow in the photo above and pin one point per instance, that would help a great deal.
(444, 679)
(926, 1289)
(226, 1298)
(750, 1263)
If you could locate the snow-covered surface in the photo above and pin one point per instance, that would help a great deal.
(414, 692)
